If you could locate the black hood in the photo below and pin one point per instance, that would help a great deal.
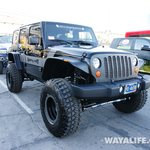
(88, 52)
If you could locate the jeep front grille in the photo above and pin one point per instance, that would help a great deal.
(117, 66)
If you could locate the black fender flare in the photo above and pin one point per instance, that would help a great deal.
(75, 62)
(15, 57)
(78, 63)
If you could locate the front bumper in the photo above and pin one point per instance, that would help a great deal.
(108, 91)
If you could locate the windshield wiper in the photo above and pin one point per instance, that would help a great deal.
(83, 43)
(61, 41)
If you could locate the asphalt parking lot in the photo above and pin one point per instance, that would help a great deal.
(22, 127)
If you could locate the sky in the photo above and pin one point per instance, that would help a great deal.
(102, 15)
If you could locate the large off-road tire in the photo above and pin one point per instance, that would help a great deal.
(1, 67)
(60, 110)
(132, 104)
(13, 78)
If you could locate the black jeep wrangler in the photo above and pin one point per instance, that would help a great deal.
(77, 73)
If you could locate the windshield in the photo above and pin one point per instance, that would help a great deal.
(5, 39)
(59, 33)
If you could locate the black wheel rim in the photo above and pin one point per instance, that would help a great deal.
(51, 109)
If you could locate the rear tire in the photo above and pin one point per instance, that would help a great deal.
(1, 67)
(135, 103)
(60, 110)
(13, 78)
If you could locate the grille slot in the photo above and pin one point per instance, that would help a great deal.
(117, 66)
(127, 68)
(123, 67)
(130, 66)
(106, 67)
(110, 66)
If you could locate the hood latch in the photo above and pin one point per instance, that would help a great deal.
(84, 55)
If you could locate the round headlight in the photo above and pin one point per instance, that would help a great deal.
(134, 61)
(96, 63)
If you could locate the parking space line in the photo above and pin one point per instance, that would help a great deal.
(22, 104)
(3, 85)
(18, 100)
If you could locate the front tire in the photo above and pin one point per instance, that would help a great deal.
(13, 78)
(132, 104)
(60, 110)
(1, 67)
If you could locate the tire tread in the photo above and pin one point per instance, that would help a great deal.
(136, 102)
(72, 108)
(16, 76)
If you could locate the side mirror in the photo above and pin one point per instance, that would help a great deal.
(145, 47)
(33, 40)
(141, 62)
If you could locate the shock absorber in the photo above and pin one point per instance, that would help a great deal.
(75, 78)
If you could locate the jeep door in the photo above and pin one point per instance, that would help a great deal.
(32, 58)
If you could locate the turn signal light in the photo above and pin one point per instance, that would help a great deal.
(65, 60)
(135, 70)
(98, 74)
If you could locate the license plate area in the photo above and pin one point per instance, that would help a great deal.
(130, 88)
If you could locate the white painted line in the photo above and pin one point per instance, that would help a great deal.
(19, 100)
(22, 104)
(3, 85)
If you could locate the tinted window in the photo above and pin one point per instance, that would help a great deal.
(124, 44)
(53, 32)
(139, 43)
(68, 32)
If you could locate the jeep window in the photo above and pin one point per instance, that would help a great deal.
(15, 37)
(57, 34)
(125, 44)
(139, 43)
(5, 39)
(35, 31)
(23, 36)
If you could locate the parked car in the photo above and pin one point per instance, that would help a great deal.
(5, 47)
(77, 73)
(139, 46)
